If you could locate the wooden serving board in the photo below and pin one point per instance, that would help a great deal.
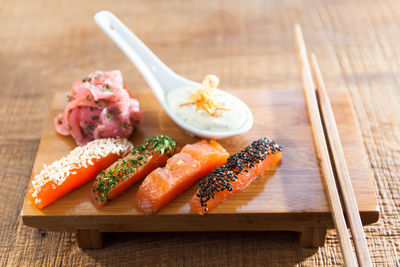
(288, 197)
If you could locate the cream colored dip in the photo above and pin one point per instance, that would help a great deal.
(230, 119)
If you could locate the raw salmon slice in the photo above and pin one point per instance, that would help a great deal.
(182, 170)
(79, 167)
(240, 170)
(208, 155)
(124, 173)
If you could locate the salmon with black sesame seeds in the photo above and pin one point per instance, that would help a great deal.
(234, 176)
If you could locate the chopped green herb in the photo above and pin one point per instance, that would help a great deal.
(124, 168)
(106, 87)
(95, 118)
(109, 116)
(89, 127)
(86, 79)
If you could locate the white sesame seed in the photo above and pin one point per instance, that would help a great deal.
(78, 158)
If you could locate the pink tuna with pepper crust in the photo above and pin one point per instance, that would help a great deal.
(99, 107)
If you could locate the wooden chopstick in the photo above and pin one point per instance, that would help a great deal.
(348, 197)
(322, 151)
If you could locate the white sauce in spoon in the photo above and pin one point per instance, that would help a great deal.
(231, 119)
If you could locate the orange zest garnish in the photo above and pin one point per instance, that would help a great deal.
(204, 98)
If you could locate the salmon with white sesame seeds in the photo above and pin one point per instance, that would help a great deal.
(81, 165)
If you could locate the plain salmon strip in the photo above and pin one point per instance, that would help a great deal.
(124, 173)
(80, 166)
(240, 170)
(182, 170)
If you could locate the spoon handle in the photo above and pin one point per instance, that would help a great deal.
(157, 74)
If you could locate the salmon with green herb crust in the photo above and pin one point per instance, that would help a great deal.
(184, 169)
(234, 176)
(121, 175)
(80, 166)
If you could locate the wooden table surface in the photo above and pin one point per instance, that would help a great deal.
(45, 45)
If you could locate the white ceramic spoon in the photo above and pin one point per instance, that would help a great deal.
(160, 78)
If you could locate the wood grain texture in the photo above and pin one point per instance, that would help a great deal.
(272, 202)
(89, 238)
(312, 237)
(249, 44)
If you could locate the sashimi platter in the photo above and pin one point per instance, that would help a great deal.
(115, 160)
(100, 115)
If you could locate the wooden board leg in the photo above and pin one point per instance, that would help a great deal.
(89, 238)
(312, 237)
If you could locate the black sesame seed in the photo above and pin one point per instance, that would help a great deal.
(222, 177)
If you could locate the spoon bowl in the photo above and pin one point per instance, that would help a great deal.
(160, 78)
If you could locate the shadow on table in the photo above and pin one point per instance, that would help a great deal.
(201, 249)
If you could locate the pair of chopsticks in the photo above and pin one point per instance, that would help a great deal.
(320, 113)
